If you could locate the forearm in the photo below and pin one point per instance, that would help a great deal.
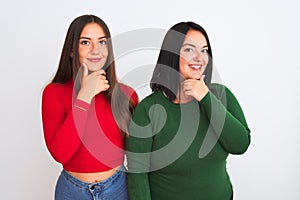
(232, 130)
(138, 186)
(63, 128)
(65, 141)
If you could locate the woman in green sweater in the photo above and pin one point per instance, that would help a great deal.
(182, 133)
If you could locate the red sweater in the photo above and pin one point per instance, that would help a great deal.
(82, 137)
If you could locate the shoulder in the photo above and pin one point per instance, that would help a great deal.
(126, 89)
(52, 88)
(151, 99)
(57, 89)
(141, 112)
(219, 89)
(130, 92)
(222, 92)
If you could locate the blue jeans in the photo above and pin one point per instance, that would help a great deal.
(70, 188)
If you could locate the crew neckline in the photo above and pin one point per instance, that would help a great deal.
(166, 100)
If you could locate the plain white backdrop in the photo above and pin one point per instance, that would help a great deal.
(256, 49)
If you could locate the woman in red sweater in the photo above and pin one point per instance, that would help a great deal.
(85, 113)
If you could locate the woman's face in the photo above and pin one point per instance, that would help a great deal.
(93, 50)
(193, 55)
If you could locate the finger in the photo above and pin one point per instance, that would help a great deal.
(104, 82)
(106, 86)
(202, 77)
(85, 69)
(188, 93)
(190, 81)
(187, 88)
(186, 83)
(101, 72)
(102, 77)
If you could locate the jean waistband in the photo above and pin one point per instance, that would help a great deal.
(101, 185)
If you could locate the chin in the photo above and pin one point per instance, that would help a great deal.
(195, 77)
(92, 70)
(95, 68)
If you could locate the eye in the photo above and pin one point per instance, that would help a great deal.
(188, 49)
(103, 42)
(84, 42)
(204, 51)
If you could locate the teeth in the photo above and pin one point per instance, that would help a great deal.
(195, 66)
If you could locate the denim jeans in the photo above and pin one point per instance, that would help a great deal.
(70, 188)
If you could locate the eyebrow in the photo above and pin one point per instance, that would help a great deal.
(87, 38)
(189, 44)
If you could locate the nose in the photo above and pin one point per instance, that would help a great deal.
(95, 49)
(197, 57)
(200, 57)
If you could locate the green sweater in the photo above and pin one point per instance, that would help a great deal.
(179, 151)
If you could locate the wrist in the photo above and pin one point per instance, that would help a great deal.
(83, 96)
(202, 94)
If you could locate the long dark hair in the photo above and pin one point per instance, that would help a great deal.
(166, 76)
(69, 66)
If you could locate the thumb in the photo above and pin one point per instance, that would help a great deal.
(202, 77)
(85, 69)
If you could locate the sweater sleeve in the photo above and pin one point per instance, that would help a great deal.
(227, 119)
(138, 148)
(63, 130)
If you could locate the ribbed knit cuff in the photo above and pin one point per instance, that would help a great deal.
(81, 105)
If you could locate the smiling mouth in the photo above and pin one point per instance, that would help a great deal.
(94, 59)
(198, 67)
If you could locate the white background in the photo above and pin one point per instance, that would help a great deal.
(256, 49)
